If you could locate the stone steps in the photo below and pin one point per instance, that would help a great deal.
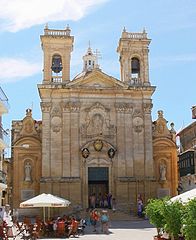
(114, 216)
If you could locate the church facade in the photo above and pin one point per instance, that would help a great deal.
(96, 135)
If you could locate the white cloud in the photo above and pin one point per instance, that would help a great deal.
(16, 15)
(13, 70)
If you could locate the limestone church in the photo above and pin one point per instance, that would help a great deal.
(96, 135)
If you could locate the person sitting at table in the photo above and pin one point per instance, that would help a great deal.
(60, 227)
(49, 227)
(73, 228)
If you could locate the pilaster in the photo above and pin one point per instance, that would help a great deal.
(46, 158)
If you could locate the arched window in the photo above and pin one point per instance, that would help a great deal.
(56, 64)
(135, 67)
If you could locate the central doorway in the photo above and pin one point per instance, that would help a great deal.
(98, 183)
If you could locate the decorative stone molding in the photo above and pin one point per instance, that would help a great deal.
(138, 124)
(97, 122)
(59, 179)
(56, 111)
(56, 118)
(137, 179)
(46, 106)
(98, 162)
(28, 125)
(96, 106)
(160, 126)
(71, 106)
(137, 113)
(147, 107)
(98, 145)
(85, 152)
(124, 107)
(56, 123)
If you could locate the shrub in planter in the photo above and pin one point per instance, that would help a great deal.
(173, 214)
(154, 211)
(189, 220)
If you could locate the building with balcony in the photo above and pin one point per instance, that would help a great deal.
(4, 106)
(187, 157)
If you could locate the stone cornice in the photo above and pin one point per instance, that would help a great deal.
(59, 179)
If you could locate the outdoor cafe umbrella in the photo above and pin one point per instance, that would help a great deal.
(45, 200)
(185, 197)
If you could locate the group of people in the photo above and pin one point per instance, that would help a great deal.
(57, 227)
(63, 226)
(102, 201)
(103, 218)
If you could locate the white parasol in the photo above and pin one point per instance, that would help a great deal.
(45, 200)
(185, 197)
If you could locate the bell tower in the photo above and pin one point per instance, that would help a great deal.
(133, 50)
(89, 60)
(57, 46)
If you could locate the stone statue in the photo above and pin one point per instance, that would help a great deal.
(97, 123)
(163, 170)
(27, 170)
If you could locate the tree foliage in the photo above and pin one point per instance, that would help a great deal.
(173, 214)
(154, 211)
(189, 220)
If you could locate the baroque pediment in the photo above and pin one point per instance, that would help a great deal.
(29, 126)
(96, 79)
(160, 128)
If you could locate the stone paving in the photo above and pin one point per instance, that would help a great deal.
(136, 230)
(125, 230)
(119, 230)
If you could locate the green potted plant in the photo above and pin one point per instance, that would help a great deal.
(154, 211)
(189, 220)
(173, 214)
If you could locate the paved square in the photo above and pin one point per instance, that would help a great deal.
(136, 230)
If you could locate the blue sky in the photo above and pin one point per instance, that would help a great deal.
(171, 24)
